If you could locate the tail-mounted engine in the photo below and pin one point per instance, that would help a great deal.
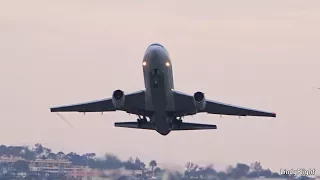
(118, 98)
(199, 101)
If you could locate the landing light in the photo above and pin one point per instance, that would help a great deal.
(167, 64)
(144, 63)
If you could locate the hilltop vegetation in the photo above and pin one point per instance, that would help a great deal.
(110, 161)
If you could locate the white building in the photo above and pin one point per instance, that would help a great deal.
(122, 171)
(10, 159)
(58, 166)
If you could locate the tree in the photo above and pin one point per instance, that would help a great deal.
(38, 149)
(90, 155)
(190, 169)
(241, 170)
(130, 164)
(21, 165)
(139, 164)
(76, 159)
(130, 159)
(156, 171)
(256, 167)
(3, 150)
(16, 151)
(229, 169)
(153, 164)
(88, 158)
(27, 154)
(222, 175)
(52, 156)
(194, 171)
(189, 166)
(112, 162)
(46, 152)
(252, 174)
(60, 155)
(266, 173)
(275, 175)
(208, 171)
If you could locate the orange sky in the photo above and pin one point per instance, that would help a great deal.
(257, 54)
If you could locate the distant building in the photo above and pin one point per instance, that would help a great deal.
(61, 163)
(61, 166)
(122, 171)
(79, 172)
(96, 173)
(10, 159)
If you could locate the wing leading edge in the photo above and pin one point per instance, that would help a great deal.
(184, 106)
(134, 104)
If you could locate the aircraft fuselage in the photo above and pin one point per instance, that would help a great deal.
(158, 79)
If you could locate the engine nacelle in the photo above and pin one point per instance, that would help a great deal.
(199, 100)
(118, 98)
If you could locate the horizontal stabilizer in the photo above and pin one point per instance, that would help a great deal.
(192, 126)
(135, 125)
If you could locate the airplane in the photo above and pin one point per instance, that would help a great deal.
(159, 106)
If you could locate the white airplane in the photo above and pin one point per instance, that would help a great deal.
(160, 107)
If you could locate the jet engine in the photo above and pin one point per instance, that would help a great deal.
(199, 100)
(118, 98)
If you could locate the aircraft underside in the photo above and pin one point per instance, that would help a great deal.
(161, 120)
(159, 106)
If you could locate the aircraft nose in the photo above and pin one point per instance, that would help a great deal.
(155, 59)
(154, 53)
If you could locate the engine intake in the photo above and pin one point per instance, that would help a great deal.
(118, 98)
(199, 100)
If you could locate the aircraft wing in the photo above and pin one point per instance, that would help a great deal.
(134, 104)
(184, 106)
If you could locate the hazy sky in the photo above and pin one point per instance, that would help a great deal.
(258, 54)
